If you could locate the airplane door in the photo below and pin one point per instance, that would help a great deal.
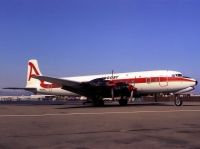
(50, 87)
(133, 82)
(163, 81)
(148, 80)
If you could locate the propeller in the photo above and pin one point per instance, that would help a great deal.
(112, 89)
(133, 90)
(112, 93)
(131, 96)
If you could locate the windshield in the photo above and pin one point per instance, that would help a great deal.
(177, 75)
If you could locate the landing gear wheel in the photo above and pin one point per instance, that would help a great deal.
(178, 101)
(123, 102)
(98, 103)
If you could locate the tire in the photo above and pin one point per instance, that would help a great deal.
(178, 101)
(123, 102)
(98, 103)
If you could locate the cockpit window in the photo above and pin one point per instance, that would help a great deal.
(177, 75)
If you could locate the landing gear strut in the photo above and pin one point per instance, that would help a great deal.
(177, 100)
(156, 97)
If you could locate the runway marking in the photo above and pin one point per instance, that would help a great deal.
(101, 113)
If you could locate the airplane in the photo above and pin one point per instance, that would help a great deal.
(121, 86)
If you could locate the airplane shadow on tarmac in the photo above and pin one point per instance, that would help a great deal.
(74, 104)
(136, 105)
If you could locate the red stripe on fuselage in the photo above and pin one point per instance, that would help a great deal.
(152, 80)
(49, 85)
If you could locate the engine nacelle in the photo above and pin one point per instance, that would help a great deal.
(107, 88)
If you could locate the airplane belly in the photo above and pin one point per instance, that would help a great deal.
(149, 88)
(176, 86)
(156, 87)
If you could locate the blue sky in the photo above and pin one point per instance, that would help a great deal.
(79, 37)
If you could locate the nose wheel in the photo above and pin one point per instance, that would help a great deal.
(177, 101)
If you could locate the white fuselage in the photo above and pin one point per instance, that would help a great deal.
(146, 82)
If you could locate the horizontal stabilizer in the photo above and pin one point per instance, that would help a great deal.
(59, 81)
(34, 90)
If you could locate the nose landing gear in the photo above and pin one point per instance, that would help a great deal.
(177, 100)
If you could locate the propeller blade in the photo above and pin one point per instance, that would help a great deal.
(112, 94)
(131, 96)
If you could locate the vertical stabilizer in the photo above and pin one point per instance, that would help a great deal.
(33, 70)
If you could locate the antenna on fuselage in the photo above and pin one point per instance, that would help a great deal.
(112, 73)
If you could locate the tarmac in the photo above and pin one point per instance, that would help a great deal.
(77, 126)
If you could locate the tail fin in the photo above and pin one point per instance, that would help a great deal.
(33, 69)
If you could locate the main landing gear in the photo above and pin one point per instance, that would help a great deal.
(123, 101)
(98, 102)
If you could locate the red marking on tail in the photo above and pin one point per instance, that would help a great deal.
(32, 68)
(42, 84)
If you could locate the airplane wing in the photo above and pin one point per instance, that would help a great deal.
(34, 90)
(98, 86)
(62, 82)
(73, 86)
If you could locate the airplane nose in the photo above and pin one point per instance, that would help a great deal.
(196, 82)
